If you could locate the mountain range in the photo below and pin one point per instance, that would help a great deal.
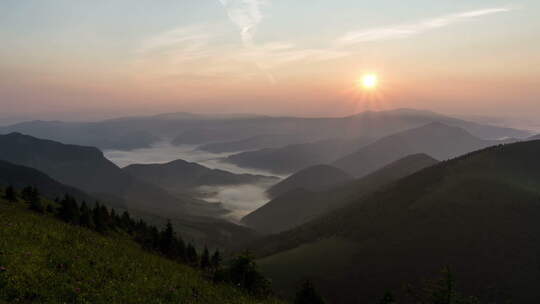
(361, 156)
(292, 158)
(253, 143)
(302, 202)
(437, 140)
(186, 128)
(476, 214)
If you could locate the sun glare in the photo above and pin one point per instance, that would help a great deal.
(369, 81)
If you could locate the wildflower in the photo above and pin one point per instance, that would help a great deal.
(2, 269)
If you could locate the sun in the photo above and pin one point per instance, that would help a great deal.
(369, 81)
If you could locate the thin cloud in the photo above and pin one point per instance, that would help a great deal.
(174, 38)
(407, 30)
(280, 53)
(246, 14)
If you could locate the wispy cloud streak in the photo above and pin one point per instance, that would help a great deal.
(193, 41)
(246, 14)
(407, 30)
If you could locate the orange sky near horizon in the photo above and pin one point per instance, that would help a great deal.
(239, 56)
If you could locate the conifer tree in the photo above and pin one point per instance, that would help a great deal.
(216, 260)
(69, 211)
(440, 291)
(86, 216)
(126, 222)
(104, 213)
(308, 295)
(100, 222)
(191, 255)
(113, 218)
(50, 209)
(26, 193)
(181, 249)
(10, 194)
(388, 298)
(243, 272)
(167, 240)
(35, 201)
(205, 259)
(154, 238)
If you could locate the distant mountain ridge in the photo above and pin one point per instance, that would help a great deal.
(292, 158)
(253, 143)
(435, 139)
(298, 205)
(186, 128)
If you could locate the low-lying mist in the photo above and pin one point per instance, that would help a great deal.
(166, 152)
(239, 199)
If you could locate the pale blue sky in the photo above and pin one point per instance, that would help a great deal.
(133, 56)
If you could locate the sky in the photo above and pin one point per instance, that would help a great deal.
(80, 60)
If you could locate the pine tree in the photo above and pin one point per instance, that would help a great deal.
(114, 219)
(205, 259)
(86, 219)
(35, 201)
(443, 290)
(126, 222)
(154, 238)
(100, 222)
(69, 211)
(243, 273)
(216, 260)
(308, 295)
(104, 212)
(10, 194)
(388, 298)
(50, 209)
(167, 241)
(192, 257)
(181, 249)
(440, 291)
(26, 193)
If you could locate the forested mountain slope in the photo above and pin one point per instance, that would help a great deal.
(298, 206)
(477, 214)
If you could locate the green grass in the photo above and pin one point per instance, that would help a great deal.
(44, 260)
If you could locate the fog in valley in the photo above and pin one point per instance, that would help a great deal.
(239, 199)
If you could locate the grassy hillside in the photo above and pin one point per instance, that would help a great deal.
(44, 260)
(477, 214)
